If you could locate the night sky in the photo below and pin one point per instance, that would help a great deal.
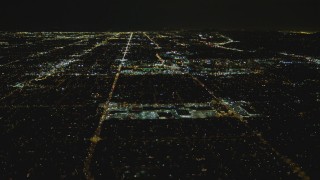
(160, 14)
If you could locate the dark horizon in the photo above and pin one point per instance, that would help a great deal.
(147, 15)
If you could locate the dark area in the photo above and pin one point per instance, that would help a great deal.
(129, 15)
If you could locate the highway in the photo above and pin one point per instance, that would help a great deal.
(96, 136)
